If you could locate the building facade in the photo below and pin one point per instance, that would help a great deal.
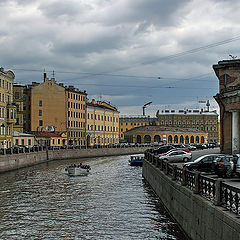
(228, 99)
(7, 109)
(76, 116)
(151, 134)
(52, 107)
(102, 123)
(206, 121)
(127, 123)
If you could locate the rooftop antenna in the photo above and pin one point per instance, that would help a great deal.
(232, 57)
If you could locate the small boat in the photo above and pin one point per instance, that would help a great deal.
(78, 170)
(136, 160)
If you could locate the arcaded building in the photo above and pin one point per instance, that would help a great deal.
(203, 120)
(151, 134)
(228, 99)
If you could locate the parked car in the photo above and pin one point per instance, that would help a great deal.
(163, 149)
(176, 156)
(203, 163)
(190, 147)
(237, 164)
(225, 166)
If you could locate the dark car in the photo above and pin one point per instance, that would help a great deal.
(202, 164)
(163, 149)
(225, 166)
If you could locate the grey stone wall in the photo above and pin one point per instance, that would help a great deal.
(15, 161)
(198, 217)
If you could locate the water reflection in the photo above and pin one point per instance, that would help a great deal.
(113, 202)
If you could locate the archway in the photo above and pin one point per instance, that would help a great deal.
(170, 139)
(181, 139)
(175, 139)
(192, 139)
(157, 138)
(187, 139)
(147, 139)
(139, 139)
(202, 139)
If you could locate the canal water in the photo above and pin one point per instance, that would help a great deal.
(113, 202)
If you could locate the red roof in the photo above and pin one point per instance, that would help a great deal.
(49, 134)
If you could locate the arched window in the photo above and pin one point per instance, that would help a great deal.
(157, 138)
(181, 139)
(192, 139)
(147, 139)
(170, 139)
(187, 139)
(202, 139)
(139, 139)
(175, 139)
(197, 139)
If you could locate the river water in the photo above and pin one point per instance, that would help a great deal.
(113, 202)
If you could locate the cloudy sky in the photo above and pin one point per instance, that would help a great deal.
(128, 52)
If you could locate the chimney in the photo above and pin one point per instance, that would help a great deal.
(44, 76)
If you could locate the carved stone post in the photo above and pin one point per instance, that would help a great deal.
(218, 200)
(184, 179)
(196, 189)
(166, 169)
(174, 175)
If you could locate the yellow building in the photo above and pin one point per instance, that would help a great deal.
(150, 134)
(206, 121)
(48, 107)
(52, 107)
(127, 123)
(102, 123)
(7, 109)
(76, 116)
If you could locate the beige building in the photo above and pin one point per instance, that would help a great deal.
(127, 123)
(7, 109)
(102, 123)
(52, 107)
(48, 107)
(206, 121)
(76, 115)
(23, 139)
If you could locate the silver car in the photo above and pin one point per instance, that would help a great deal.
(176, 156)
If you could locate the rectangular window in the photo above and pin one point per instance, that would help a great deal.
(29, 142)
(40, 103)
(40, 122)
(22, 142)
(40, 113)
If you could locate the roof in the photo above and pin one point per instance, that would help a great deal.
(49, 134)
(187, 112)
(137, 119)
(164, 129)
(102, 106)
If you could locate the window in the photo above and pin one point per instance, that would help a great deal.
(40, 103)
(40, 122)
(16, 95)
(40, 113)
(29, 142)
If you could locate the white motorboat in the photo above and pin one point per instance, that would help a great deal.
(80, 170)
(77, 171)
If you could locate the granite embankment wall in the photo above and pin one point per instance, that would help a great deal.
(14, 161)
(198, 217)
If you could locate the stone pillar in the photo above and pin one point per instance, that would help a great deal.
(235, 132)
